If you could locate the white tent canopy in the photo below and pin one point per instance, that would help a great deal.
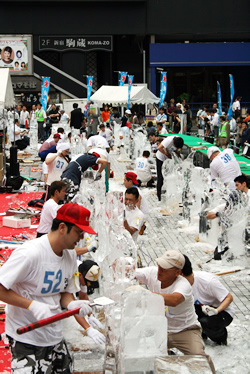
(117, 95)
(7, 98)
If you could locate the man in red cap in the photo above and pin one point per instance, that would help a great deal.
(41, 284)
(49, 146)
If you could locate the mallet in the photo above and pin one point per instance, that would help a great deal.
(47, 321)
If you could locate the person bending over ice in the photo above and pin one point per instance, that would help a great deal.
(184, 331)
(212, 303)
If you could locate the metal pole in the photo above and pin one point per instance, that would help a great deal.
(144, 65)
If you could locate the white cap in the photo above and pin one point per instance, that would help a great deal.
(62, 147)
(212, 150)
(171, 259)
(128, 111)
(93, 273)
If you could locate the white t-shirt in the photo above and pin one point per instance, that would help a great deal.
(64, 118)
(142, 169)
(55, 168)
(44, 168)
(215, 120)
(108, 133)
(163, 131)
(24, 116)
(101, 152)
(183, 315)
(208, 290)
(34, 271)
(167, 143)
(135, 219)
(93, 141)
(49, 212)
(12, 135)
(102, 133)
(225, 167)
(161, 118)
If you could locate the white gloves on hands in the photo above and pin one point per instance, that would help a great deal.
(42, 310)
(93, 245)
(97, 336)
(83, 304)
(94, 322)
(44, 125)
(209, 310)
(98, 176)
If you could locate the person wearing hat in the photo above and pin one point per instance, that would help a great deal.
(89, 271)
(41, 285)
(212, 303)
(57, 163)
(161, 118)
(170, 144)
(126, 117)
(73, 172)
(184, 330)
(49, 146)
(64, 118)
(223, 165)
(130, 180)
(133, 216)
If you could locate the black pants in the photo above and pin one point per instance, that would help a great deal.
(22, 143)
(215, 326)
(159, 177)
(40, 130)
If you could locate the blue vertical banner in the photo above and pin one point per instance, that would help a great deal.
(230, 110)
(163, 90)
(89, 88)
(130, 82)
(122, 77)
(45, 92)
(219, 99)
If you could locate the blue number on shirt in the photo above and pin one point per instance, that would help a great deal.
(59, 278)
(140, 165)
(49, 282)
(59, 164)
(226, 158)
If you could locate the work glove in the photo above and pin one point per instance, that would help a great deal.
(94, 322)
(97, 336)
(209, 310)
(98, 176)
(44, 125)
(83, 304)
(93, 245)
(42, 310)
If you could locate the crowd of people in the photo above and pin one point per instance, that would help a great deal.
(44, 281)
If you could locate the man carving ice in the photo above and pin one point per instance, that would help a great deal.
(184, 331)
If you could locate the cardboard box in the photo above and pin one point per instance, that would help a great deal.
(16, 222)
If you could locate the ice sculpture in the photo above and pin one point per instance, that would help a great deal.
(143, 330)
(33, 134)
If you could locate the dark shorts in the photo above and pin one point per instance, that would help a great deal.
(31, 359)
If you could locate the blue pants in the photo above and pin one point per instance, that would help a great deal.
(44, 154)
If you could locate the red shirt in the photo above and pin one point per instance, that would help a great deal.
(105, 115)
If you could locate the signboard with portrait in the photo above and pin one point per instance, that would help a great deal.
(16, 53)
